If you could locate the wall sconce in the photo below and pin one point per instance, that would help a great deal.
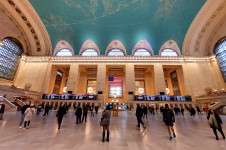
(222, 90)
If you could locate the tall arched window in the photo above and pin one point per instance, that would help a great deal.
(64, 52)
(169, 52)
(115, 52)
(142, 52)
(220, 51)
(89, 52)
(10, 52)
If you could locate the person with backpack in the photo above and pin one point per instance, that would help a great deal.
(169, 119)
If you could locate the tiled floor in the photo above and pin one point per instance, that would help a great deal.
(43, 134)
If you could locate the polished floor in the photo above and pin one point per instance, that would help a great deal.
(192, 133)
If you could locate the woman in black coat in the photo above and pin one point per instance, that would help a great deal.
(215, 123)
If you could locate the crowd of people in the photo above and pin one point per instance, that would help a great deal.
(141, 113)
(168, 113)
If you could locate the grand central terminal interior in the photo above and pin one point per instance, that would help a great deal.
(100, 53)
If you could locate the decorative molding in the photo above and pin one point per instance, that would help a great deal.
(143, 44)
(89, 44)
(62, 45)
(170, 44)
(116, 45)
(199, 27)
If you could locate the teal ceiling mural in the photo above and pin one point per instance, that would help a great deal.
(128, 21)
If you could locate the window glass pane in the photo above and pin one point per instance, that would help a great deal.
(139, 88)
(220, 51)
(169, 52)
(116, 52)
(89, 52)
(91, 87)
(115, 90)
(9, 58)
(142, 52)
(64, 52)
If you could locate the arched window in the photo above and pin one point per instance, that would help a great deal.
(169, 52)
(10, 52)
(220, 51)
(64, 52)
(115, 52)
(89, 52)
(142, 52)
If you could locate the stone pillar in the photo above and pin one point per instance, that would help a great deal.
(72, 78)
(101, 82)
(160, 84)
(130, 82)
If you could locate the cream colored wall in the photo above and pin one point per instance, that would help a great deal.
(81, 82)
(101, 81)
(130, 82)
(160, 84)
(197, 76)
(72, 78)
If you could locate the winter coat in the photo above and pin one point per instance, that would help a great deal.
(219, 121)
(28, 113)
(106, 115)
(78, 111)
(139, 112)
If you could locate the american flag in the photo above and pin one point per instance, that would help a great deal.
(115, 81)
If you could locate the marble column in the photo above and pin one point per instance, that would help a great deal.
(130, 82)
(72, 78)
(160, 84)
(101, 82)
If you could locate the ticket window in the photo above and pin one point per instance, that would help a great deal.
(139, 87)
(91, 87)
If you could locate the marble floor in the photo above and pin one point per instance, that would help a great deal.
(43, 134)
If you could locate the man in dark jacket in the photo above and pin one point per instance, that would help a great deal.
(2, 110)
(22, 114)
(139, 115)
(78, 114)
(168, 118)
(46, 109)
(84, 114)
(145, 111)
(60, 114)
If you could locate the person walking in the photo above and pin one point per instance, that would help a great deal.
(139, 115)
(145, 111)
(169, 119)
(46, 109)
(23, 109)
(215, 123)
(91, 111)
(192, 112)
(60, 114)
(105, 122)
(78, 114)
(182, 111)
(96, 109)
(84, 114)
(28, 115)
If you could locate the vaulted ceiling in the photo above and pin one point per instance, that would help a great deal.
(128, 21)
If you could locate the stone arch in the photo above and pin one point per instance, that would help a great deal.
(143, 44)
(62, 45)
(170, 44)
(89, 44)
(115, 45)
